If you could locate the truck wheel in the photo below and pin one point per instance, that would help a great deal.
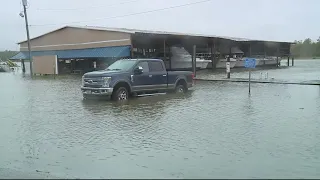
(120, 94)
(180, 88)
(86, 97)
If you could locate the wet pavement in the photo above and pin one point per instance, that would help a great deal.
(214, 131)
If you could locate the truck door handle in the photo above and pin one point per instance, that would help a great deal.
(150, 75)
(164, 75)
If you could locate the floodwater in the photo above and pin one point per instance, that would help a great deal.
(215, 131)
(303, 70)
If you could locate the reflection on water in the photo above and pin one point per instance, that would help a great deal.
(215, 131)
(140, 105)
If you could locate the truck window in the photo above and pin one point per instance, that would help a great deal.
(156, 66)
(144, 65)
(121, 65)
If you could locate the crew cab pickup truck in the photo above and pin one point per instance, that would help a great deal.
(130, 77)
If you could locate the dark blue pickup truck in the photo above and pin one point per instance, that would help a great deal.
(130, 77)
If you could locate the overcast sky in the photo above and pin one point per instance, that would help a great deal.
(283, 20)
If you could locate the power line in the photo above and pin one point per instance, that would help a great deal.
(132, 14)
(89, 7)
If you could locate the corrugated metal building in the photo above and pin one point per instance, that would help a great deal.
(87, 47)
(76, 48)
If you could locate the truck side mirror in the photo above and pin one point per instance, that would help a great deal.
(138, 70)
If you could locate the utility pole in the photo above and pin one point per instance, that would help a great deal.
(25, 3)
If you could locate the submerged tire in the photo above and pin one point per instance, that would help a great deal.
(86, 97)
(180, 88)
(92, 97)
(121, 94)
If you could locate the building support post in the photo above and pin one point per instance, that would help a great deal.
(228, 64)
(169, 57)
(212, 58)
(264, 50)
(131, 52)
(165, 55)
(213, 55)
(292, 61)
(194, 64)
(288, 60)
(278, 57)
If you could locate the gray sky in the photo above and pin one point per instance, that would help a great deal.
(283, 20)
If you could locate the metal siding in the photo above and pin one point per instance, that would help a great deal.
(76, 38)
(127, 31)
(44, 64)
(148, 32)
(20, 55)
(119, 51)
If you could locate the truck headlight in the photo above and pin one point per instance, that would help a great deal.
(106, 81)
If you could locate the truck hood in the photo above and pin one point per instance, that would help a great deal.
(102, 73)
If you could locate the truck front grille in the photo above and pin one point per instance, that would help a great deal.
(93, 82)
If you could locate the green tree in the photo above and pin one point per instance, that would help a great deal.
(306, 48)
(5, 55)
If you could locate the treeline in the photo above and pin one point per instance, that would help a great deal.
(306, 48)
(5, 55)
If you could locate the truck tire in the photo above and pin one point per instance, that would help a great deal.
(90, 97)
(121, 94)
(87, 97)
(180, 88)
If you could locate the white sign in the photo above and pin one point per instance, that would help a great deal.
(228, 66)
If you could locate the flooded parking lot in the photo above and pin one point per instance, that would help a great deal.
(214, 131)
(304, 70)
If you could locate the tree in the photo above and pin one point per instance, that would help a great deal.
(306, 48)
(5, 55)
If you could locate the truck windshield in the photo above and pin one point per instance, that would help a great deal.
(121, 65)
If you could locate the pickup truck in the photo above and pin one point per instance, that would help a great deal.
(131, 77)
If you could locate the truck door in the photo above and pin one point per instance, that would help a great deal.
(143, 81)
(158, 74)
